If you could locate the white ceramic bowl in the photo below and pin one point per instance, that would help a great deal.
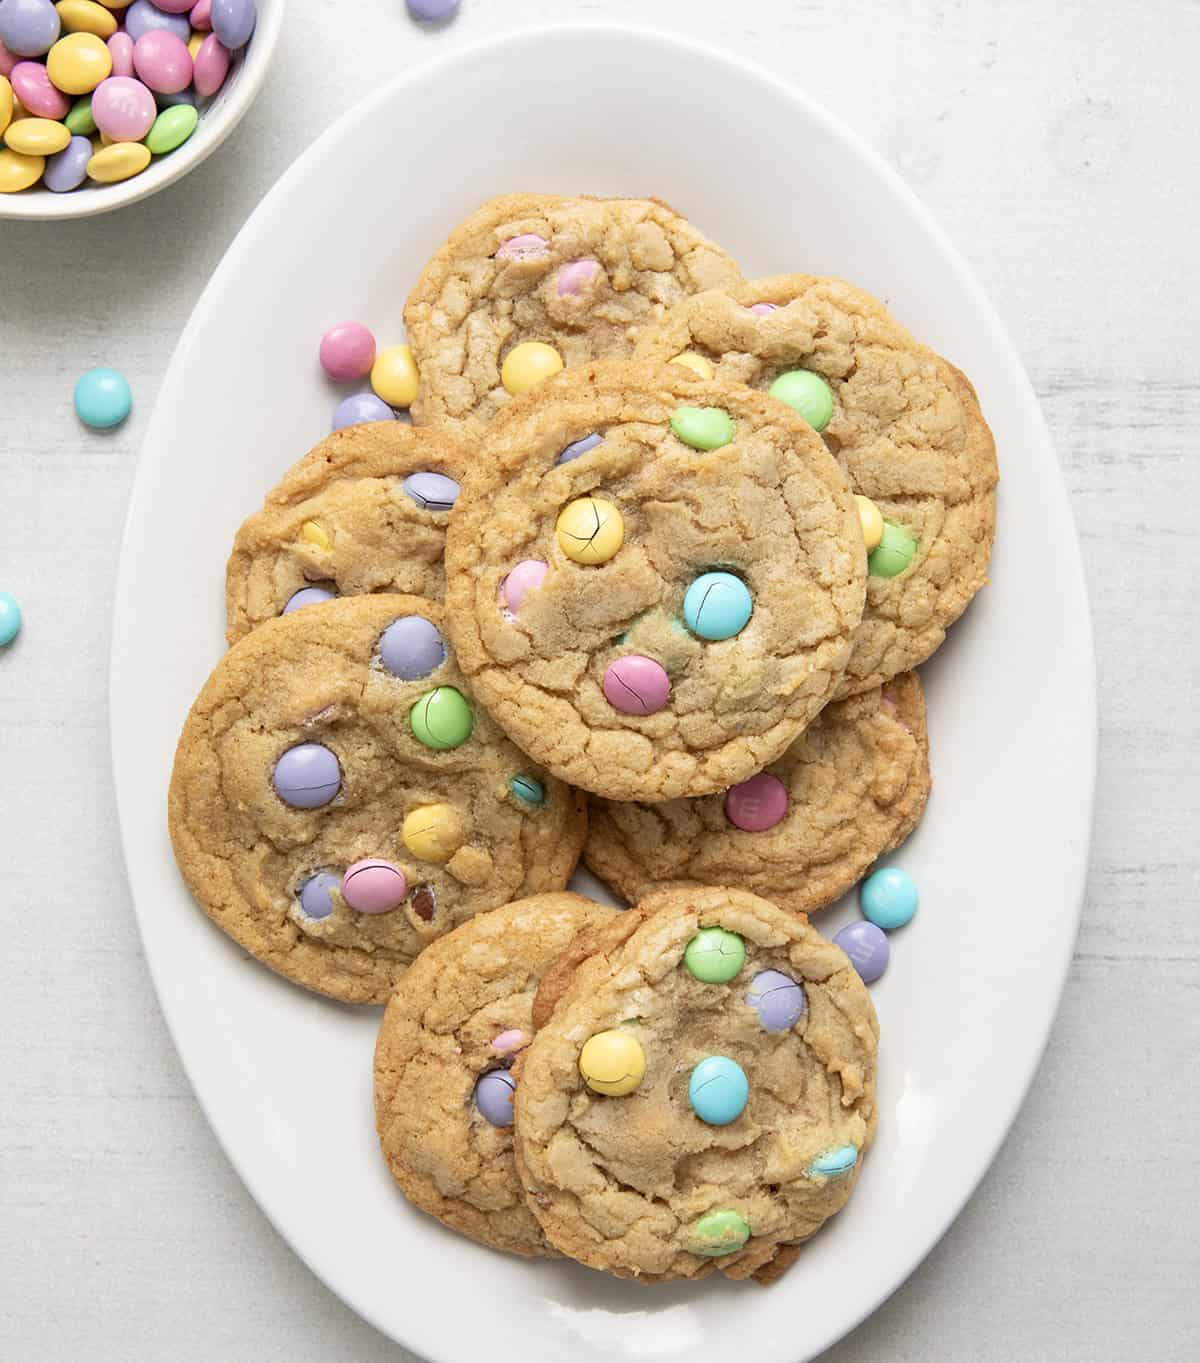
(223, 114)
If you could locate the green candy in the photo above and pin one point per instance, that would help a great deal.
(703, 428)
(172, 128)
(715, 956)
(79, 122)
(806, 393)
(893, 553)
(441, 719)
(723, 1232)
(527, 789)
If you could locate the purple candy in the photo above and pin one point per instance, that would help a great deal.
(307, 596)
(578, 447)
(360, 407)
(67, 169)
(29, 28)
(494, 1097)
(867, 947)
(433, 9)
(431, 491)
(143, 17)
(777, 999)
(412, 647)
(233, 22)
(307, 776)
(315, 894)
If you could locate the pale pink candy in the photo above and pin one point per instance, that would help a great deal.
(120, 48)
(512, 1040)
(7, 61)
(526, 246)
(32, 87)
(374, 886)
(211, 67)
(123, 108)
(201, 16)
(636, 685)
(886, 703)
(173, 6)
(162, 62)
(524, 578)
(763, 309)
(575, 276)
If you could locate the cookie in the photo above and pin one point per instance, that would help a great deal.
(904, 424)
(339, 801)
(850, 788)
(702, 1093)
(653, 580)
(443, 1082)
(364, 511)
(565, 279)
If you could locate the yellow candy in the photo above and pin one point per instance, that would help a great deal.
(118, 162)
(18, 172)
(394, 376)
(85, 16)
(313, 533)
(590, 530)
(433, 832)
(696, 363)
(527, 364)
(194, 43)
(612, 1063)
(37, 136)
(6, 103)
(871, 520)
(78, 63)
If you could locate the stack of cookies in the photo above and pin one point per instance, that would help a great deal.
(645, 581)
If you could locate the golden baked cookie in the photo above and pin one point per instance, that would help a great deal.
(339, 801)
(801, 833)
(443, 1082)
(702, 1093)
(904, 424)
(364, 511)
(573, 278)
(653, 580)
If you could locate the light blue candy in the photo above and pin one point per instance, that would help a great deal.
(888, 898)
(833, 1162)
(528, 789)
(102, 398)
(717, 606)
(718, 1090)
(10, 618)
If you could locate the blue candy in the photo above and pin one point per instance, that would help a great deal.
(717, 606)
(10, 618)
(718, 1090)
(888, 898)
(102, 398)
(834, 1162)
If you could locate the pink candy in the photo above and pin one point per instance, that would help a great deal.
(201, 15)
(524, 578)
(763, 309)
(527, 246)
(636, 685)
(162, 62)
(174, 6)
(7, 61)
(120, 48)
(374, 886)
(211, 66)
(32, 87)
(347, 350)
(512, 1040)
(575, 276)
(123, 108)
(757, 804)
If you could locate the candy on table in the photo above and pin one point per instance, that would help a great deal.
(714, 955)
(718, 1090)
(528, 364)
(636, 685)
(703, 428)
(867, 947)
(433, 832)
(717, 606)
(888, 898)
(870, 519)
(777, 999)
(412, 647)
(102, 398)
(893, 553)
(431, 491)
(359, 408)
(612, 1063)
(806, 393)
(441, 719)
(347, 352)
(307, 776)
(394, 376)
(590, 530)
(374, 886)
(433, 11)
(494, 1097)
(526, 577)
(757, 804)
(10, 618)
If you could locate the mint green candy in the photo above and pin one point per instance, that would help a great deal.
(172, 128)
(715, 956)
(441, 719)
(893, 553)
(723, 1232)
(703, 428)
(806, 393)
(79, 122)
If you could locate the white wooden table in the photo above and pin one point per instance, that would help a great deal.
(1057, 144)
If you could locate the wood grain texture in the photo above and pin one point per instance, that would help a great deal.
(1055, 144)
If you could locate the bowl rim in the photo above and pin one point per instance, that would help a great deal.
(39, 204)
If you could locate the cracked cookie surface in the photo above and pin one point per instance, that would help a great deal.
(639, 1184)
(905, 426)
(590, 666)
(581, 274)
(315, 681)
(352, 517)
(852, 787)
(464, 1012)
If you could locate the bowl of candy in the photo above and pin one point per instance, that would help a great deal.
(104, 102)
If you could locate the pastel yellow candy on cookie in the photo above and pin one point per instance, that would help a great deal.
(312, 532)
(528, 364)
(870, 519)
(696, 363)
(612, 1063)
(394, 376)
(433, 833)
(590, 530)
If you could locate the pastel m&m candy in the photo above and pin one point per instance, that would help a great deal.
(526, 577)
(412, 647)
(433, 832)
(699, 366)
(38, 136)
(590, 530)
(441, 719)
(144, 17)
(316, 894)
(806, 393)
(307, 776)
(888, 898)
(40, 97)
(162, 62)
(18, 172)
(374, 886)
(526, 246)
(394, 376)
(575, 276)
(777, 999)
(507, 1041)
(29, 28)
(717, 606)
(307, 596)
(120, 48)
(120, 161)
(636, 685)
(527, 789)
(433, 11)
(703, 428)
(359, 408)
(347, 352)
(867, 947)
(431, 491)
(124, 108)
(528, 364)
(67, 169)
(717, 1233)
(578, 447)
(870, 519)
(757, 804)
(210, 66)
(893, 553)
(714, 955)
(172, 128)
(832, 1163)
(763, 309)
(494, 1097)
(718, 1090)
(10, 618)
(233, 21)
(86, 16)
(78, 63)
(612, 1063)
(102, 396)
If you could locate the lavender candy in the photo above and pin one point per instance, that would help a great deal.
(307, 776)
(143, 17)
(494, 1097)
(432, 491)
(868, 949)
(777, 999)
(412, 647)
